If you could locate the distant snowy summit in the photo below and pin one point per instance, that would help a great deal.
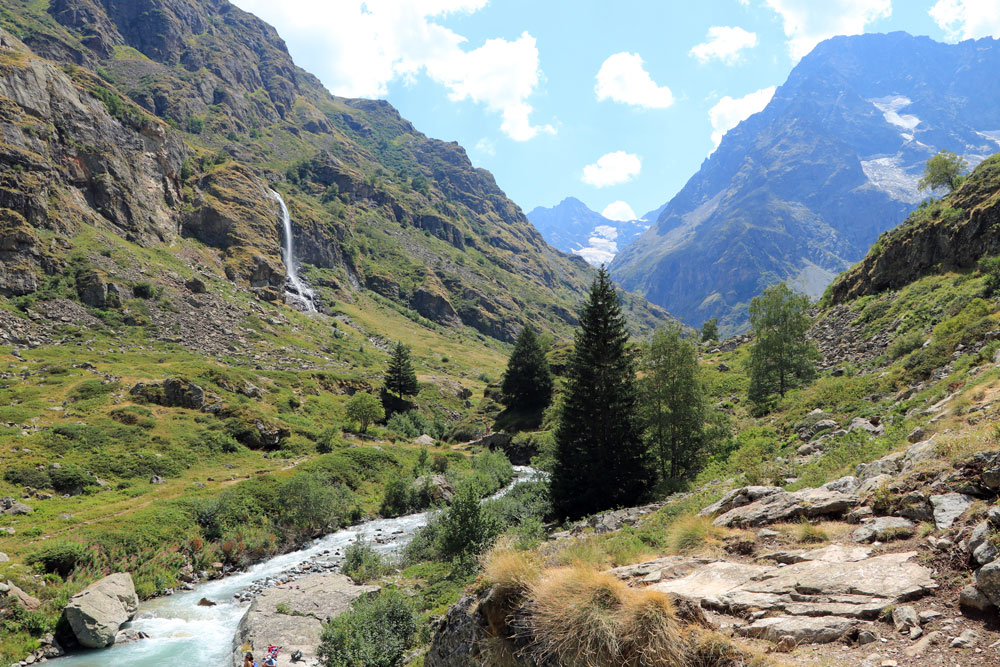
(571, 226)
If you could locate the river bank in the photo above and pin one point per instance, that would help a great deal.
(183, 632)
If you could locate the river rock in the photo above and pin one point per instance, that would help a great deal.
(312, 600)
(97, 612)
(884, 529)
(948, 507)
(29, 602)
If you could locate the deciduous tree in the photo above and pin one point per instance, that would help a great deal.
(364, 408)
(944, 170)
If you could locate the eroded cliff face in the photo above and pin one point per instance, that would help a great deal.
(952, 233)
(159, 120)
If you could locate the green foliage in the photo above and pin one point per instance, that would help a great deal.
(70, 478)
(89, 389)
(311, 507)
(413, 423)
(492, 472)
(781, 356)
(194, 125)
(600, 455)
(118, 108)
(944, 170)
(362, 563)
(527, 382)
(672, 402)
(466, 530)
(26, 475)
(400, 378)
(710, 330)
(398, 497)
(906, 343)
(58, 558)
(990, 268)
(364, 408)
(374, 632)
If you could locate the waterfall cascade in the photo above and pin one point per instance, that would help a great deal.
(294, 287)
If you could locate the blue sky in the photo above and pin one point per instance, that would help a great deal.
(614, 102)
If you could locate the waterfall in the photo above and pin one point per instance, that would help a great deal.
(294, 288)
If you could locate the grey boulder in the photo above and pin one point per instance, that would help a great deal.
(884, 529)
(97, 612)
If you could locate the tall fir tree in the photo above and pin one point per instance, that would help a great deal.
(527, 382)
(400, 378)
(600, 459)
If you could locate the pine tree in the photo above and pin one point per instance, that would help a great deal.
(600, 457)
(527, 383)
(400, 378)
(672, 402)
(781, 356)
(710, 330)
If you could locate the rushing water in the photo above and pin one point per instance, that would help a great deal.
(183, 633)
(299, 292)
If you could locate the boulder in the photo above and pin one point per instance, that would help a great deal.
(921, 451)
(832, 499)
(967, 639)
(872, 425)
(988, 581)
(97, 612)
(29, 602)
(884, 529)
(312, 600)
(971, 597)
(4, 557)
(904, 618)
(195, 285)
(948, 507)
(424, 441)
(739, 498)
(439, 486)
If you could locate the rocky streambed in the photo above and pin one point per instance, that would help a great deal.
(240, 608)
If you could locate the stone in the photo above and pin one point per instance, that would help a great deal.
(739, 498)
(988, 581)
(156, 479)
(438, 487)
(97, 612)
(916, 435)
(971, 597)
(866, 637)
(312, 600)
(967, 639)
(4, 558)
(904, 618)
(800, 629)
(948, 507)
(928, 615)
(871, 425)
(859, 514)
(767, 533)
(986, 553)
(884, 529)
(786, 644)
(918, 649)
(921, 451)
(195, 285)
(28, 601)
(18, 509)
(915, 633)
(780, 505)
(424, 441)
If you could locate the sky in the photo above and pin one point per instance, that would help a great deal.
(614, 102)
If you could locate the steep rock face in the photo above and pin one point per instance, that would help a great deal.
(954, 234)
(154, 119)
(800, 190)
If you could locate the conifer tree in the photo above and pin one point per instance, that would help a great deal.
(710, 330)
(527, 383)
(400, 378)
(600, 458)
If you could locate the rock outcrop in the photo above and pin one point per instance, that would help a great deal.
(97, 612)
(772, 504)
(298, 626)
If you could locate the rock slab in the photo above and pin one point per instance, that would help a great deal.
(97, 612)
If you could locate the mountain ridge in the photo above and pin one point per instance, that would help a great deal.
(571, 226)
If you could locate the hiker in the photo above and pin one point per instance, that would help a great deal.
(272, 656)
(248, 660)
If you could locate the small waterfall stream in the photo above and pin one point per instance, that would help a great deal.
(183, 633)
(295, 288)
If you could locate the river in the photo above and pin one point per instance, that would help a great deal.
(183, 633)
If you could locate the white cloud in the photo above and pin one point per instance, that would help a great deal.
(967, 19)
(808, 22)
(612, 169)
(616, 210)
(622, 78)
(486, 147)
(724, 43)
(366, 44)
(729, 112)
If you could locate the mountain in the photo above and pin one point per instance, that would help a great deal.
(802, 189)
(162, 120)
(572, 227)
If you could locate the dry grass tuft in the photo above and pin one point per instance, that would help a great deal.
(510, 571)
(694, 534)
(810, 533)
(583, 617)
(709, 648)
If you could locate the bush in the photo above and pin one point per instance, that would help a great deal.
(329, 440)
(362, 563)
(493, 471)
(905, 344)
(375, 632)
(25, 475)
(990, 268)
(439, 464)
(60, 558)
(92, 389)
(310, 507)
(466, 530)
(70, 478)
(397, 499)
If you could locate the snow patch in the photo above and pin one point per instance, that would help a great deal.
(888, 175)
(890, 106)
(605, 232)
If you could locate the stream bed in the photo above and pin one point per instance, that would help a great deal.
(183, 633)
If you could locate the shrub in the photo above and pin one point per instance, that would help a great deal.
(493, 471)
(144, 290)
(374, 632)
(70, 478)
(60, 558)
(990, 268)
(134, 415)
(362, 563)
(310, 507)
(905, 344)
(397, 499)
(329, 440)
(465, 529)
(365, 409)
(439, 464)
(92, 389)
(25, 475)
